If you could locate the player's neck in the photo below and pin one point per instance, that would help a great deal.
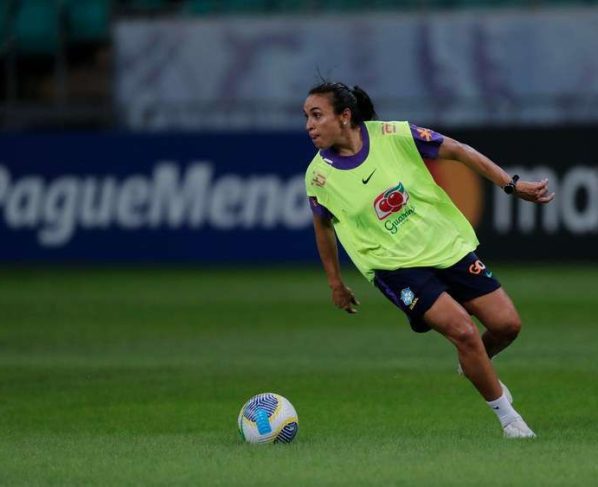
(351, 143)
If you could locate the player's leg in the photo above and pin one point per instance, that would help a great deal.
(454, 322)
(422, 296)
(480, 293)
(470, 283)
(450, 319)
(500, 318)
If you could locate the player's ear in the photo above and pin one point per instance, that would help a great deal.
(346, 117)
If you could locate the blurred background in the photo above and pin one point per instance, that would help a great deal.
(172, 130)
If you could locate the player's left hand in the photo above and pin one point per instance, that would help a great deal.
(536, 192)
(343, 298)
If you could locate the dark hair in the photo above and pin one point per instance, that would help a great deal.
(355, 99)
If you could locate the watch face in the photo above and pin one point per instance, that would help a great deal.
(509, 188)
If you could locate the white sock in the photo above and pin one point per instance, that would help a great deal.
(503, 409)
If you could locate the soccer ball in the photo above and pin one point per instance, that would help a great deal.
(268, 418)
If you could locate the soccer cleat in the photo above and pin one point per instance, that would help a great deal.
(518, 429)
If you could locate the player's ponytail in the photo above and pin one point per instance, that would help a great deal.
(342, 97)
(365, 106)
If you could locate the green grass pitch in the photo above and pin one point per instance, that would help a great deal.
(136, 377)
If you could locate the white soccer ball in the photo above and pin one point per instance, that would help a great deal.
(268, 418)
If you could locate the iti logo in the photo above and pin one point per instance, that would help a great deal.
(388, 128)
(391, 201)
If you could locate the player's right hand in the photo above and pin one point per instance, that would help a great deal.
(343, 298)
(536, 192)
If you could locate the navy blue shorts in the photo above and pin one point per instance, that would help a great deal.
(415, 290)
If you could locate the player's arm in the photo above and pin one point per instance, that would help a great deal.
(342, 296)
(535, 191)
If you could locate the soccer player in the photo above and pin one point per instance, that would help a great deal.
(368, 186)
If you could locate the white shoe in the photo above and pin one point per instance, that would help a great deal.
(518, 429)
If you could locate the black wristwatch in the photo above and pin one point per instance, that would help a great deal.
(509, 188)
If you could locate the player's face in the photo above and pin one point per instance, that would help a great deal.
(322, 124)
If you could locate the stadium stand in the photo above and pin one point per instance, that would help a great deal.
(36, 27)
(88, 20)
(3, 27)
(48, 46)
(38, 24)
(146, 5)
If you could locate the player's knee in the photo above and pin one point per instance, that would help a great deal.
(468, 338)
(465, 334)
(511, 327)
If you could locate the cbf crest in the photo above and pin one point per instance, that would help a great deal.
(407, 296)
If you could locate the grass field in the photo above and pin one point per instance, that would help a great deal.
(136, 377)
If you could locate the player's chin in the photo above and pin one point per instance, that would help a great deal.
(320, 144)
